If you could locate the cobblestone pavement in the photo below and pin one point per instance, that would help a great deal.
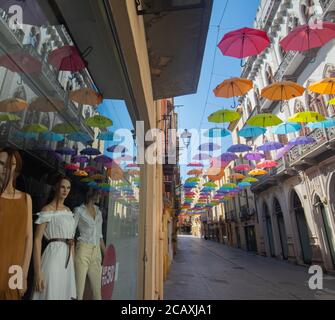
(207, 270)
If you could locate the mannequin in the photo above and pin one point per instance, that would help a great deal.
(15, 228)
(90, 245)
(54, 272)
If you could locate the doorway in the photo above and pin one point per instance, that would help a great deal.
(269, 230)
(281, 229)
(250, 236)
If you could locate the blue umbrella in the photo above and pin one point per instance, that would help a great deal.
(328, 123)
(107, 136)
(66, 151)
(52, 136)
(79, 137)
(251, 131)
(217, 132)
(302, 141)
(269, 146)
(26, 135)
(285, 128)
(244, 184)
(239, 148)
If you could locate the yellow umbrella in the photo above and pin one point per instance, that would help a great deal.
(13, 105)
(65, 128)
(306, 117)
(46, 104)
(86, 96)
(233, 87)
(332, 102)
(224, 115)
(237, 176)
(264, 120)
(324, 86)
(284, 90)
(257, 172)
(9, 117)
(80, 173)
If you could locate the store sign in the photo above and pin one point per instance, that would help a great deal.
(109, 273)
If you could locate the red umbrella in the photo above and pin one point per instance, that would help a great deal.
(304, 38)
(242, 167)
(266, 164)
(67, 58)
(20, 62)
(73, 167)
(244, 42)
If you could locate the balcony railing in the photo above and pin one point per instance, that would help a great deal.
(325, 4)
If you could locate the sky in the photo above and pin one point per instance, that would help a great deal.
(197, 107)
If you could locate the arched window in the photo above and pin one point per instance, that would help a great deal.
(307, 10)
(269, 75)
(249, 107)
(315, 102)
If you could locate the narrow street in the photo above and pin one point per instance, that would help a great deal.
(204, 270)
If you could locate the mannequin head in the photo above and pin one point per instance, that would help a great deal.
(92, 196)
(10, 168)
(60, 190)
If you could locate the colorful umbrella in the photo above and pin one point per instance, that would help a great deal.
(20, 62)
(286, 128)
(51, 136)
(72, 166)
(37, 128)
(215, 174)
(66, 151)
(244, 42)
(264, 120)
(243, 167)
(67, 58)
(237, 176)
(79, 137)
(306, 117)
(269, 146)
(209, 147)
(237, 148)
(251, 132)
(223, 116)
(304, 38)
(233, 87)
(98, 177)
(195, 164)
(192, 180)
(80, 159)
(80, 173)
(283, 151)
(244, 184)
(90, 152)
(132, 165)
(125, 158)
(284, 90)
(254, 156)
(328, 123)
(134, 172)
(217, 132)
(107, 136)
(99, 121)
(210, 184)
(13, 105)
(266, 164)
(117, 148)
(103, 159)
(257, 172)
(9, 117)
(46, 104)
(65, 128)
(302, 141)
(227, 157)
(91, 169)
(250, 179)
(86, 96)
(194, 172)
(201, 156)
(324, 86)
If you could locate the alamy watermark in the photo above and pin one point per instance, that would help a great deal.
(315, 282)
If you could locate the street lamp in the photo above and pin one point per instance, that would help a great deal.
(186, 137)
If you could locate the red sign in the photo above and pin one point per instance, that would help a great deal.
(108, 273)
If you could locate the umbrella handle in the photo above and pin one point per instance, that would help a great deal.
(87, 51)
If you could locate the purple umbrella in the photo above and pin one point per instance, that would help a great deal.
(66, 151)
(80, 159)
(269, 146)
(201, 156)
(227, 157)
(302, 141)
(103, 159)
(90, 152)
(283, 151)
(209, 147)
(117, 148)
(239, 148)
(254, 156)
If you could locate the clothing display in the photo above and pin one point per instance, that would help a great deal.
(88, 254)
(57, 264)
(13, 231)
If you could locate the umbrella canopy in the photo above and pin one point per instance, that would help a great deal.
(239, 148)
(233, 87)
(79, 137)
(134, 172)
(194, 172)
(283, 151)
(223, 116)
(215, 174)
(269, 146)
(46, 104)
(243, 167)
(244, 42)
(103, 159)
(306, 117)
(284, 90)
(237, 176)
(66, 151)
(227, 157)
(192, 180)
(250, 179)
(9, 117)
(80, 159)
(117, 148)
(201, 156)
(86, 96)
(210, 184)
(266, 164)
(217, 132)
(324, 86)
(132, 165)
(67, 58)
(304, 38)
(328, 123)
(125, 158)
(251, 131)
(257, 172)
(90, 152)
(254, 156)
(51, 136)
(20, 62)
(286, 128)
(302, 141)
(65, 128)
(209, 147)
(195, 164)
(264, 120)
(91, 169)
(98, 177)
(99, 121)
(72, 166)
(38, 128)
(107, 136)
(244, 184)
(13, 105)
(80, 173)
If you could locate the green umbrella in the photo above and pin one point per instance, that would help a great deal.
(98, 121)
(224, 115)
(65, 128)
(37, 128)
(210, 184)
(250, 179)
(192, 180)
(264, 120)
(87, 180)
(9, 117)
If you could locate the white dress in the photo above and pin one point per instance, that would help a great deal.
(59, 282)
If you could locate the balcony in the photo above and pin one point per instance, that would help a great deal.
(326, 4)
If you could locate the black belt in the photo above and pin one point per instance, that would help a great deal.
(70, 244)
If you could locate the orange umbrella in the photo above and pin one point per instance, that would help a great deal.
(195, 172)
(86, 96)
(98, 177)
(80, 173)
(284, 90)
(325, 86)
(237, 176)
(267, 164)
(215, 173)
(233, 87)
(13, 105)
(46, 104)
(257, 172)
(134, 172)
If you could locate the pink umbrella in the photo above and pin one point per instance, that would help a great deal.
(283, 151)
(244, 42)
(132, 165)
(243, 167)
(254, 156)
(20, 62)
(125, 158)
(267, 164)
(304, 38)
(195, 164)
